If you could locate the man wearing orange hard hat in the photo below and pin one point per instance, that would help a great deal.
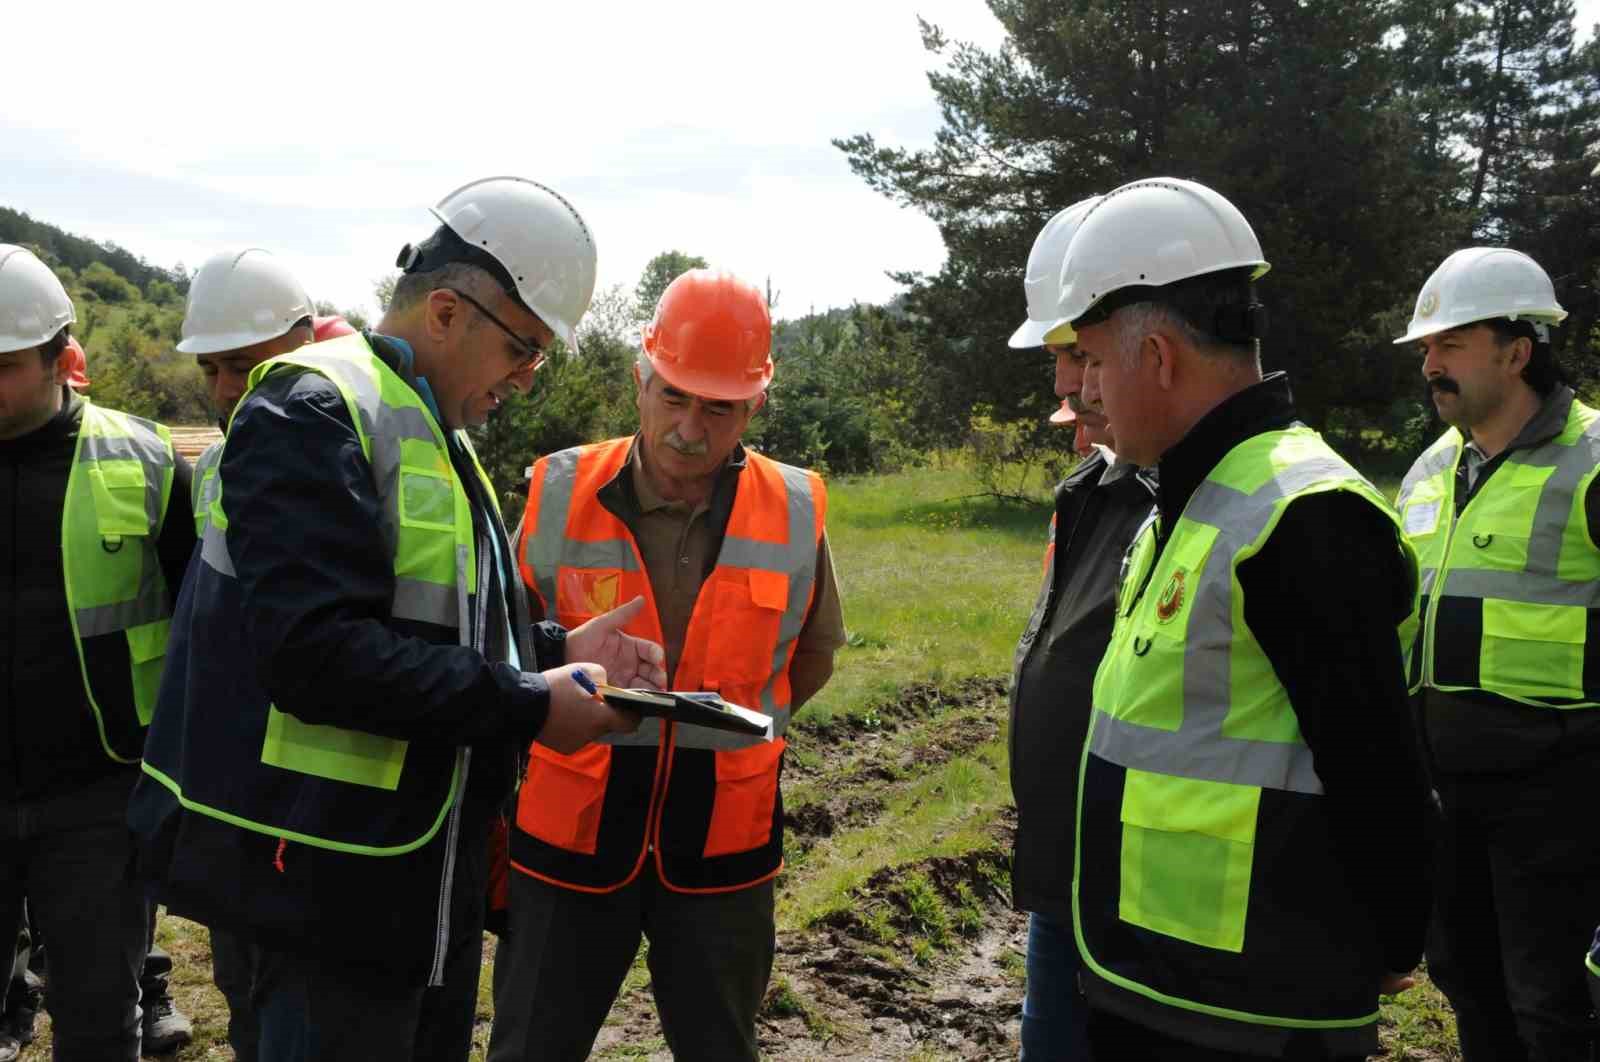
(674, 832)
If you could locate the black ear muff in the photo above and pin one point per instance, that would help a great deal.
(407, 258)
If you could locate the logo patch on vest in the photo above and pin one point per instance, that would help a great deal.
(1170, 603)
(597, 591)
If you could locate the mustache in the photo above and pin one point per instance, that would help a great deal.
(1444, 384)
(687, 449)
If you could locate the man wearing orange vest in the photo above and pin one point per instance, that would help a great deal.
(674, 832)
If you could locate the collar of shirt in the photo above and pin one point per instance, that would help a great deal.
(1264, 406)
(404, 361)
(1547, 422)
(646, 499)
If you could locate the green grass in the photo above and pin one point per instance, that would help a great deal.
(936, 583)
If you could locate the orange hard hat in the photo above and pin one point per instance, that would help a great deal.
(330, 328)
(712, 336)
(77, 366)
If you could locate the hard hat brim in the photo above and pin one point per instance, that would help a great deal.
(708, 385)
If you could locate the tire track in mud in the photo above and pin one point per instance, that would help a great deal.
(926, 960)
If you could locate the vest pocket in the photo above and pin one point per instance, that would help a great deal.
(562, 796)
(119, 498)
(1533, 650)
(1187, 850)
(147, 650)
(332, 752)
(748, 607)
(746, 796)
(427, 500)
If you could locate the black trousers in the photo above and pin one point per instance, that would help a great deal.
(233, 967)
(560, 966)
(1114, 1039)
(68, 857)
(1517, 889)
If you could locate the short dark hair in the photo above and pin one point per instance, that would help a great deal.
(445, 260)
(1543, 372)
(51, 349)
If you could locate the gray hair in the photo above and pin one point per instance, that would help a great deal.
(647, 372)
(1137, 320)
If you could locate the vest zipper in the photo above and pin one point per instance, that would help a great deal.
(441, 940)
(1429, 622)
(476, 624)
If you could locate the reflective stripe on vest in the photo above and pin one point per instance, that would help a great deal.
(115, 506)
(1516, 572)
(581, 560)
(561, 556)
(204, 486)
(1189, 706)
(427, 528)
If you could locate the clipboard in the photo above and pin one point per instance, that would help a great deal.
(700, 709)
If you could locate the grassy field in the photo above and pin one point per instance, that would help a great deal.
(896, 937)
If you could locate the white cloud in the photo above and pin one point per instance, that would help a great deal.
(323, 130)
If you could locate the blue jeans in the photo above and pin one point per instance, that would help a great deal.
(1054, 1013)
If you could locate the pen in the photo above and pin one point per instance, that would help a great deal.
(585, 683)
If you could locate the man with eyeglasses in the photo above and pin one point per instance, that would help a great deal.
(353, 674)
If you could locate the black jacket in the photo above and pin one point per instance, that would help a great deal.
(1099, 508)
(49, 744)
(1323, 596)
(306, 626)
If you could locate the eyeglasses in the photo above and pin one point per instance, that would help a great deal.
(532, 354)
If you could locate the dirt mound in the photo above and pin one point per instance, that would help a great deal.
(927, 958)
(863, 759)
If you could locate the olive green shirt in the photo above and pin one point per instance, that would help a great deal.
(679, 544)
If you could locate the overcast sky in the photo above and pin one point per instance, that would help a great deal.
(323, 131)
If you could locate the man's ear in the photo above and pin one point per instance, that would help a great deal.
(1520, 352)
(761, 400)
(1165, 352)
(439, 312)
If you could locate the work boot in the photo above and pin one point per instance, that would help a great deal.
(22, 1007)
(166, 1028)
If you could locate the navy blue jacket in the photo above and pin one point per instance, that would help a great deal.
(305, 626)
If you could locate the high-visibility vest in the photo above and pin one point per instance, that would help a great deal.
(204, 486)
(348, 790)
(1208, 881)
(705, 800)
(1511, 586)
(115, 507)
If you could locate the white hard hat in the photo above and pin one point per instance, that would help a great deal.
(1480, 284)
(33, 304)
(1150, 233)
(537, 236)
(1042, 282)
(238, 299)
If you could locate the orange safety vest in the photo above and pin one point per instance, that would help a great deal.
(705, 802)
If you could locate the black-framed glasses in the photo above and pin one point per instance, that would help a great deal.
(532, 354)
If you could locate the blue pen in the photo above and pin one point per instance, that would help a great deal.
(581, 677)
